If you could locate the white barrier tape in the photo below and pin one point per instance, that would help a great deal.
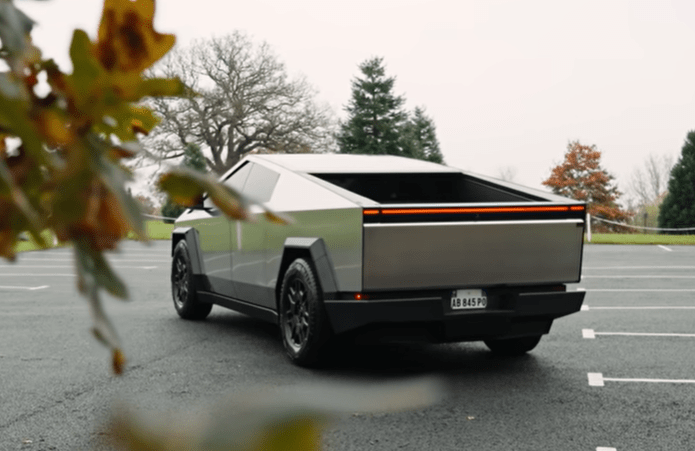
(159, 217)
(642, 228)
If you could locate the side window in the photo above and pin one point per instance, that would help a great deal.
(261, 183)
(236, 181)
(238, 178)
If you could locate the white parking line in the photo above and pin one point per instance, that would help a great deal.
(114, 260)
(665, 248)
(70, 266)
(638, 267)
(649, 290)
(590, 333)
(650, 276)
(605, 448)
(24, 288)
(37, 275)
(586, 308)
(597, 380)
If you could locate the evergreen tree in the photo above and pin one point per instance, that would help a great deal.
(420, 138)
(678, 208)
(375, 116)
(193, 158)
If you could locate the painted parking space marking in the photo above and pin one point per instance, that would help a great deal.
(70, 266)
(141, 260)
(586, 308)
(37, 275)
(591, 334)
(2, 287)
(665, 248)
(597, 380)
(605, 448)
(637, 267)
(649, 276)
(638, 290)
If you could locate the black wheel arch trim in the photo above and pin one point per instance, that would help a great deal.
(190, 235)
(315, 250)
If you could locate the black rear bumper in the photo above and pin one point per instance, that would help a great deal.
(430, 318)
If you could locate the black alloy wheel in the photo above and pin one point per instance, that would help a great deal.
(182, 287)
(303, 322)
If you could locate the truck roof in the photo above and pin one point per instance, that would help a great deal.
(351, 164)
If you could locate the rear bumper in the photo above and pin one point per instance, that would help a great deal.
(429, 318)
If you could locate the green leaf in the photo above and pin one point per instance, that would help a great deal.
(161, 87)
(14, 117)
(14, 27)
(115, 178)
(94, 271)
(10, 88)
(20, 200)
(270, 419)
(86, 68)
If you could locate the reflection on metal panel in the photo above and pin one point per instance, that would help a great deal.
(215, 248)
(341, 230)
(471, 254)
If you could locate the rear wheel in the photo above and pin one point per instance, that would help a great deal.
(182, 287)
(513, 346)
(303, 321)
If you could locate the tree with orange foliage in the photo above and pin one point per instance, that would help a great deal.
(582, 178)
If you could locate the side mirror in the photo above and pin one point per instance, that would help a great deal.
(200, 205)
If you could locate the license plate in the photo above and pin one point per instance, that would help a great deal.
(468, 299)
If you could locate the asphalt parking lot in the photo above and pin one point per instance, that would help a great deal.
(618, 375)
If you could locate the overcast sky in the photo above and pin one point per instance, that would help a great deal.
(508, 83)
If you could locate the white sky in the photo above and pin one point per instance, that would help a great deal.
(507, 82)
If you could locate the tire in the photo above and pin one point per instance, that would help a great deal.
(182, 287)
(303, 322)
(513, 346)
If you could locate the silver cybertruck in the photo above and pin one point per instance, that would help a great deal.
(382, 248)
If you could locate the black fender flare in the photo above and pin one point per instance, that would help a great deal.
(190, 235)
(316, 251)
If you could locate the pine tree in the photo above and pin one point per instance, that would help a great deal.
(375, 115)
(420, 138)
(678, 208)
(193, 158)
(582, 178)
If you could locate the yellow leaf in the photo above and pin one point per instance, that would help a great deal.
(118, 362)
(54, 128)
(127, 40)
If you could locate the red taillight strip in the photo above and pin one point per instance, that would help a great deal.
(370, 212)
(419, 211)
(577, 208)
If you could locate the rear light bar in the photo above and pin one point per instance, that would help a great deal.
(469, 210)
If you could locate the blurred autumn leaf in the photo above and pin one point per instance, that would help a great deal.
(270, 419)
(65, 170)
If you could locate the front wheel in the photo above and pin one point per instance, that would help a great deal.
(303, 321)
(182, 287)
(513, 346)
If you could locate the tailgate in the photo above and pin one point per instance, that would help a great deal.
(472, 250)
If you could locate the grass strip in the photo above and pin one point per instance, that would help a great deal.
(639, 238)
(156, 230)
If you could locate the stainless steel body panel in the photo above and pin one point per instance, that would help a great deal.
(471, 254)
(341, 231)
(215, 248)
(321, 213)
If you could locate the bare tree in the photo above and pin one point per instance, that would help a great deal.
(650, 181)
(241, 100)
(506, 173)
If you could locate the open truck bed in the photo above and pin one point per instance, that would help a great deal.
(386, 248)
